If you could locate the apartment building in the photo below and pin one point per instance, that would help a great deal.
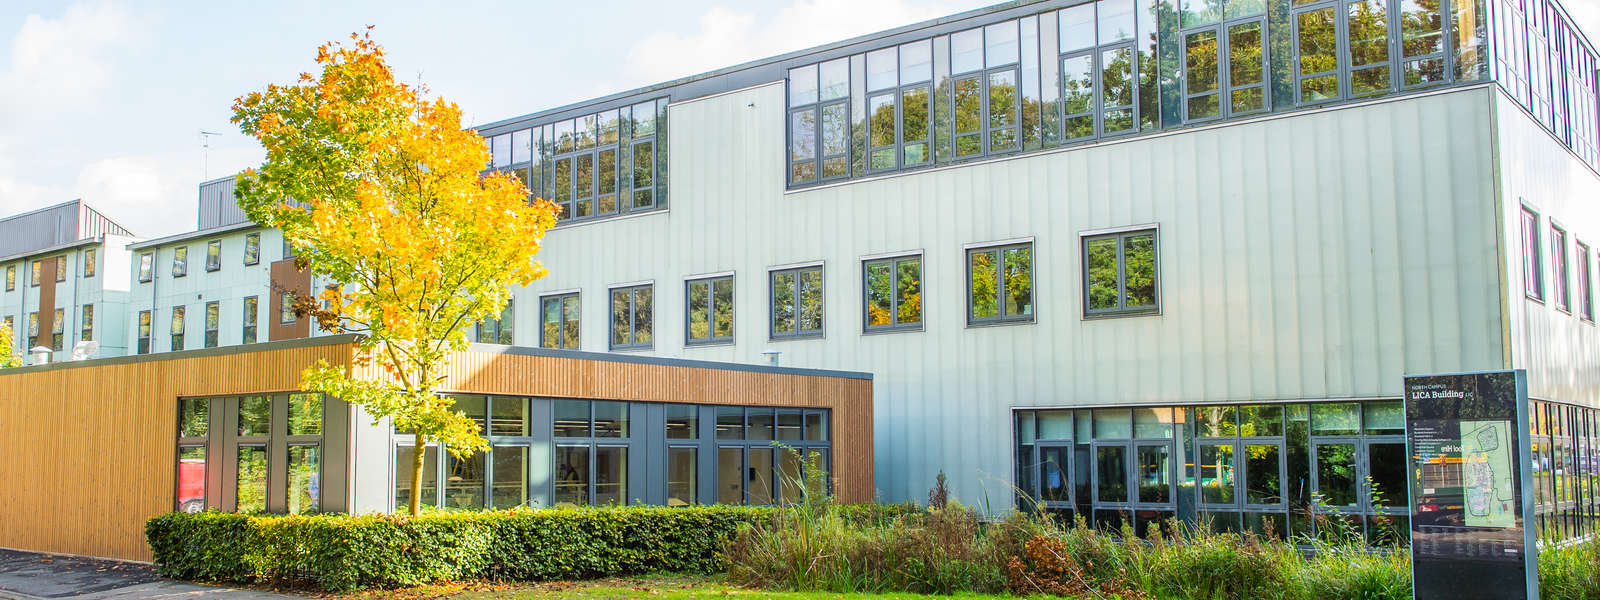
(1119, 258)
(228, 282)
(63, 282)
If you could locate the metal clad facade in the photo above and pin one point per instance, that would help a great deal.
(1315, 255)
(40, 229)
(217, 205)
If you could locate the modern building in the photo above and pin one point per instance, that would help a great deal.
(223, 284)
(63, 282)
(1130, 258)
(1125, 258)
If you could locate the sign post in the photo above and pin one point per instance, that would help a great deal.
(1470, 508)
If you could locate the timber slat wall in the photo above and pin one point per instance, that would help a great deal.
(849, 399)
(90, 451)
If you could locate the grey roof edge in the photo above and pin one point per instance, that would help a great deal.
(771, 60)
(88, 241)
(663, 361)
(219, 179)
(349, 338)
(189, 235)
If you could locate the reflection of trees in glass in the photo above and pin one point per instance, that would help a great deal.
(968, 116)
(783, 302)
(879, 297)
(255, 415)
(984, 298)
(194, 417)
(252, 479)
(894, 292)
(1019, 280)
(1319, 53)
(304, 479)
(1102, 267)
(305, 414)
(1117, 89)
(1368, 27)
(810, 317)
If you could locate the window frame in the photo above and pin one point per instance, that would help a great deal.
(1000, 249)
(252, 249)
(90, 257)
(561, 299)
(213, 323)
(58, 329)
(61, 268)
(147, 264)
(816, 108)
(213, 255)
(35, 272)
(1224, 88)
(86, 323)
(144, 326)
(250, 318)
(1533, 287)
(11, 278)
(798, 270)
(710, 281)
(1585, 281)
(1560, 268)
(627, 190)
(893, 260)
(178, 324)
(632, 289)
(1121, 234)
(180, 262)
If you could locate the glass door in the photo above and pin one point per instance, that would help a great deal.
(1112, 471)
(1387, 503)
(1335, 475)
(1266, 509)
(1153, 479)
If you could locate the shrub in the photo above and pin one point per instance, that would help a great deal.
(1570, 572)
(341, 553)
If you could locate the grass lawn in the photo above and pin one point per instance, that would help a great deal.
(653, 587)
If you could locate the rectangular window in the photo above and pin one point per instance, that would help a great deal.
(90, 258)
(710, 307)
(730, 475)
(1558, 268)
(11, 278)
(36, 273)
(498, 330)
(1120, 273)
(1316, 63)
(11, 329)
(61, 269)
(87, 319)
(213, 322)
(146, 267)
(252, 248)
(191, 478)
(288, 249)
(286, 314)
(144, 332)
(213, 255)
(305, 468)
(893, 288)
(251, 307)
(252, 479)
(604, 164)
(177, 328)
(1000, 284)
(33, 331)
(403, 457)
(180, 261)
(682, 476)
(1584, 283)
(558, 321)
(632, 317)
(1532, 259)
(796, 302)
(58, 328)
(819, 124)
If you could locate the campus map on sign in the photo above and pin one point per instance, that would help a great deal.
(1486, 474)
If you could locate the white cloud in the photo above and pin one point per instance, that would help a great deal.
(727, 36)
(58, 64)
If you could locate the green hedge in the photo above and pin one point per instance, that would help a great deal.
(342, 553)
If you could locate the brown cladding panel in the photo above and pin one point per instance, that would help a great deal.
(91, 450)
(286, 277)
(47, 300)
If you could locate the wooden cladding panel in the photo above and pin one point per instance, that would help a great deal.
(850, 400)
(90, 451)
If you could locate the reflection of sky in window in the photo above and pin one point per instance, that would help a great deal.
(1077, 27)
(1000, 44)
(966, 51)
(835, 77)
(916, 62)
(803, 85)
(881, 69)
(1116, 20)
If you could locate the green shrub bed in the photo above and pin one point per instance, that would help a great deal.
(342, 553)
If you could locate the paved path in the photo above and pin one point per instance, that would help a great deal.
(32, 576)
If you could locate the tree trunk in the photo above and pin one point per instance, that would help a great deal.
(421, 450)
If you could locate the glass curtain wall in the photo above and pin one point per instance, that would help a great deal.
(1277, 470)
(592, 166)
(1566, 492)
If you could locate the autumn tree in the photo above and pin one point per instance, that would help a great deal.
(379, 189)
(9, 358)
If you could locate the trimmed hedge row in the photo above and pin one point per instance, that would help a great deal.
(342, 553)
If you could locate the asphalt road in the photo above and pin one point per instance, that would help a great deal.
(34, 576)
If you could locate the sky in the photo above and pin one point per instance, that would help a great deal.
(105, 100)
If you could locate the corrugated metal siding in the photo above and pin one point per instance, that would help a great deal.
(217, 205)
(1560, 351)
(40, 229)
(1318, 255)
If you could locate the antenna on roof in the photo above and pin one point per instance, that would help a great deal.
(205, 154)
